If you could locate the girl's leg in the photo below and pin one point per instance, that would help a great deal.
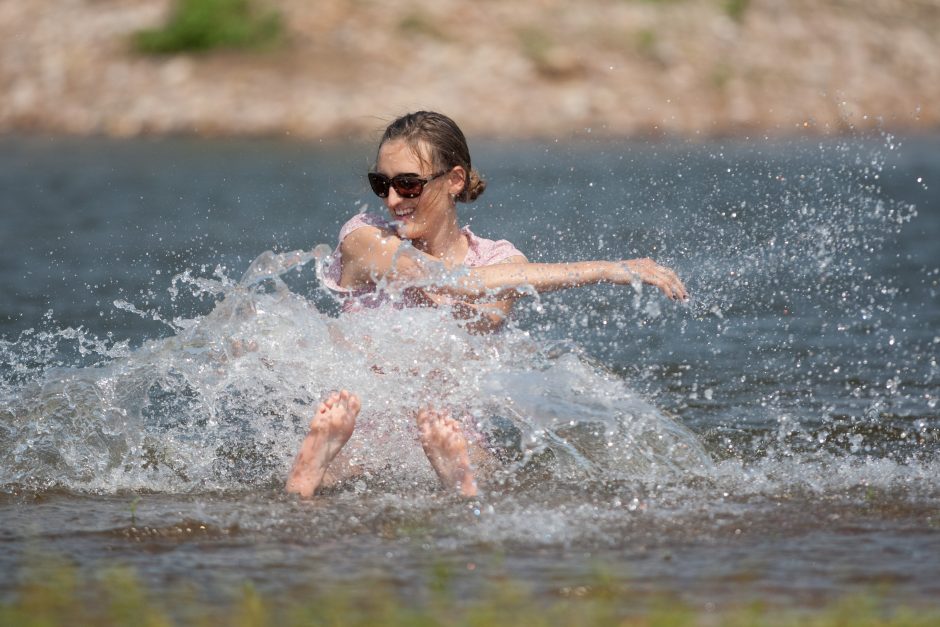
(330, 428)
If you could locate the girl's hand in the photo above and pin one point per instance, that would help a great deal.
(649, 272)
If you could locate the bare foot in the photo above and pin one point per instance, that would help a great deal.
(446, 447)
(329, 430)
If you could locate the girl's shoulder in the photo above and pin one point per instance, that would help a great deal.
(334, 266)
(364, 219)
(487, 252)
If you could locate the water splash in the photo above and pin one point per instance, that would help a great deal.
(775, 253)
(222, 403)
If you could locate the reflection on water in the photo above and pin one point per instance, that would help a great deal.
(766, 432)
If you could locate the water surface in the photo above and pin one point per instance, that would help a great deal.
(774, 438)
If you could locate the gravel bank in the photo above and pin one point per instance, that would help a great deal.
(526, 68)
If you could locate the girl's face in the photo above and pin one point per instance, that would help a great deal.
(425, 215)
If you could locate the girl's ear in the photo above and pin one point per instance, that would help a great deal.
(457, 180)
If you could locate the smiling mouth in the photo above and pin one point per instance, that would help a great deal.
(402, 213)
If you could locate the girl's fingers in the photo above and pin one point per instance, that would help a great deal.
(667, 281)
(651, 273)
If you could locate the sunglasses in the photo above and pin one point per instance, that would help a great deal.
(406, 185)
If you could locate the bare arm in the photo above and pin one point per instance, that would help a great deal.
(506, 279)
(371, 255)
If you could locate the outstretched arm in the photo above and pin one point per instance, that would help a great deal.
(371, 255)
(516, 278)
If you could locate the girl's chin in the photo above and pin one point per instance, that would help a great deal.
(406, 229)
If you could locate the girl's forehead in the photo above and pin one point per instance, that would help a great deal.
(397, 156)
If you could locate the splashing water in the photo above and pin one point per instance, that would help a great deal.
(787, 414)
(224, 402)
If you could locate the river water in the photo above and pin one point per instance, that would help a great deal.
(164, 337)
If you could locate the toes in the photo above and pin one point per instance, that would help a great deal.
(427, 417)
(431, 426)
(330, 400)
(426, 429)
(439, 429)
(338, 409)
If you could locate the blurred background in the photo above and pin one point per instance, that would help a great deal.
(338, 69)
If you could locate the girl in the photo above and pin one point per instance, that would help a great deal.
(422, 169)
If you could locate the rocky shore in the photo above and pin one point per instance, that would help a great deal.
(525, 68)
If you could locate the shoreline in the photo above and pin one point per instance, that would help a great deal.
(368, 138)
(537, 69)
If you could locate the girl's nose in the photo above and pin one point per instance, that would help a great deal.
(393, 199)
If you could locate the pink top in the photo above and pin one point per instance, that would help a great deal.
(482, 252)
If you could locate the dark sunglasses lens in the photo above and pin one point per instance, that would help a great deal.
(408, 186)
(379, 184)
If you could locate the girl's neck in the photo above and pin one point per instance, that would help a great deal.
(447, 244)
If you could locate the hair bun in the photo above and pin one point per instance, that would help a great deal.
(474, 189)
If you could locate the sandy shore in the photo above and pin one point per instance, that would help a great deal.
(544, 68)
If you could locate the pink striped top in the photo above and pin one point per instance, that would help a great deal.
(482, 252)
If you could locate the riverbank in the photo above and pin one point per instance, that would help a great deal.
(520, 69)
(61, 595)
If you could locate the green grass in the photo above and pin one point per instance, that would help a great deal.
(646, 42)
(419, 24)
(535, 43)
(735, 9)
(56, 594)
(201, 25)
